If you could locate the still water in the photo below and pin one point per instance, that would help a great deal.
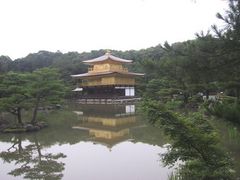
(96, 142)
(86, 142)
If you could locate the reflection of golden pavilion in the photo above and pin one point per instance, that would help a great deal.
(112, 122)
(108, 134)
(108, 130)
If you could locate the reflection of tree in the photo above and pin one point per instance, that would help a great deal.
(31, 162)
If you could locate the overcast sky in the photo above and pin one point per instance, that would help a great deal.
(28, 26)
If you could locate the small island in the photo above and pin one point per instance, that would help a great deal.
(29, 93)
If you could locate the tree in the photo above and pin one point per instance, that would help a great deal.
(14, 93)
(194, 141)
(230, 52)
(5, 64)
(20, 91)
(46, 88)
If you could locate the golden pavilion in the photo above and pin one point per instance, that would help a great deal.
(107, 77)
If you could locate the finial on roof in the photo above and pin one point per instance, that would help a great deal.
(108, 52)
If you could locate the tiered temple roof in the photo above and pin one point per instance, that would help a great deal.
(107, 58)
(106, 73)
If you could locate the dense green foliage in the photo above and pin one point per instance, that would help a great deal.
(209, 64)
(195, 143)
(46, 88)
(14, 93)
(24, 91)
(226, 110)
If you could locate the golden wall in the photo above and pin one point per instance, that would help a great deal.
(108, 80)
(112, 80)
(91, 82)
(116, 67)
(122, 80)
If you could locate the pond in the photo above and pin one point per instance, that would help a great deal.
(86, 142)
(96, 142)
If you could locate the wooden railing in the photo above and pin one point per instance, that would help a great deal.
(90, 69)
(104, 97)
(117, 69)
(104, 84)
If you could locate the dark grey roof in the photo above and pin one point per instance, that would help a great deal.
(105, 57)
(105, 73)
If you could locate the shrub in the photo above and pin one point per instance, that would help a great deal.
(173, 105)
(226, 110)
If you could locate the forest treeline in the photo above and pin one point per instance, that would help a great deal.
(205, 64)
(71, 62)
(208, 64)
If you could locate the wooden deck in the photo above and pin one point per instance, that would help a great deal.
(108, 100)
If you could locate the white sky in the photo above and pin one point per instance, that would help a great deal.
(27, 26)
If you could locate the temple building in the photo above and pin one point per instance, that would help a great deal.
(107, 77)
